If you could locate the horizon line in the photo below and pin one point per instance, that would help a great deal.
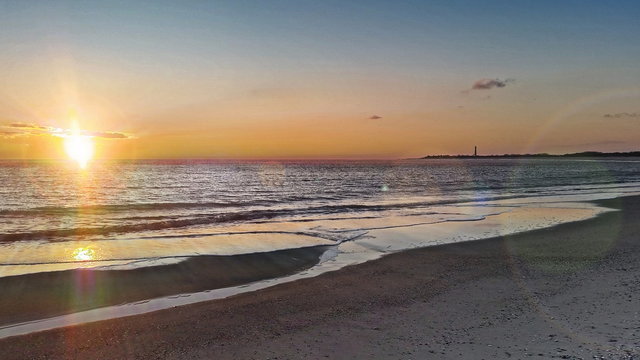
(329, 158)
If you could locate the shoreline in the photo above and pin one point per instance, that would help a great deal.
(84, 295)
(396, 288)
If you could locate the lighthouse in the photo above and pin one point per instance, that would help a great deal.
(475, 151)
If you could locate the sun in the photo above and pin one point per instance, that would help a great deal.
(79, 148)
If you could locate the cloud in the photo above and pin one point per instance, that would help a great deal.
(622, 115)
(16, 129)
(27, 126)
(7, 134)
(375, 117)
(488, 84)
(107, 135)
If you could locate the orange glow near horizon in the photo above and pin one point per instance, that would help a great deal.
(326, 129)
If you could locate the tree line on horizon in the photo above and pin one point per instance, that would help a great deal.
(584, 154)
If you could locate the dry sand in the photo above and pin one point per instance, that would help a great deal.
(572, 291)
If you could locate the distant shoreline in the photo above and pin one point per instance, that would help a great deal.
(584, 154)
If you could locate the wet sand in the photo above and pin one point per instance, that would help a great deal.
(43, 295)
(572, 291)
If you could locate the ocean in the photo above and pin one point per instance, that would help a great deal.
(54, 216)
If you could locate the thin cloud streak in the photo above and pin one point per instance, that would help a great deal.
(24, 129)
(27, 126)
(621, 115)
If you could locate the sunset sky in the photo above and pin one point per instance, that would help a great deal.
(319, 79)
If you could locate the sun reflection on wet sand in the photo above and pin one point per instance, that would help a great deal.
(83, 254)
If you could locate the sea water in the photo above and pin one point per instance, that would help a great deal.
(124, 214)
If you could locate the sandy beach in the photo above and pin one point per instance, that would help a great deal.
(570, 291)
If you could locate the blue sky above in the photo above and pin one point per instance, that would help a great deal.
(407, 60)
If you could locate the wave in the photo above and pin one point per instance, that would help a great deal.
(255, 216)
(101, 209)
(293, 214)
(119, 208)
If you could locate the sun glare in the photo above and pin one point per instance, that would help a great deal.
(79, 148)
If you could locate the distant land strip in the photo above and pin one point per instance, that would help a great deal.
(584, 154)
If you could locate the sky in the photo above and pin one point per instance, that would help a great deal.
(319, 79)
